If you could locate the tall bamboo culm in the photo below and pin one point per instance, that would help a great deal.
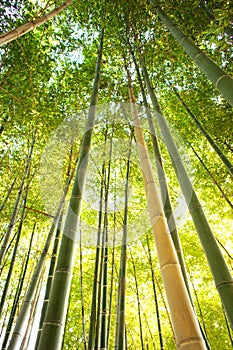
(53, 327)
(218, 266)
(222, 156)
(221, 80)
(186, 328)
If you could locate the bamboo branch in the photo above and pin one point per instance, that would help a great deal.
(27, 27)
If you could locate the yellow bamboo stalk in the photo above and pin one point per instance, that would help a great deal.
(185, 325)
(27, 27)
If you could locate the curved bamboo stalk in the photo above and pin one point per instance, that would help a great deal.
(53, 328)
(218, 266)
(186, 328)
(27, 27)
(222, 156)
(221, 80)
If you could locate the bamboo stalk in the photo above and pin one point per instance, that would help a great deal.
(92, 328)
(53, 328)
(27, 27)
(222, 156)
(221, 80)
(123, 260)
(218, 266)
(186, 328)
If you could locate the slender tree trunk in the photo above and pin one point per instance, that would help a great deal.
(123, 261)
(155, 294)
(150, 332)
(186, 328)
(6, 285)
(100, 289)
(199, 307)
(25, 309)
(53, 328)
(18, 199)
(26, 338)
(218, 266)
(69, 177)
(50, 276)
(211, 175)
(222, 156)
(162, 181)
(112, 254)
(18, 293)
(96, 281)
(8, 195)
(27, 27)
(138, 300)
(81, 291)
(228, 146)
(103, 333)
(221, 80)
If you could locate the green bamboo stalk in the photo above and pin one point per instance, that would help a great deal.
(100, 289)
(13, 258)
(155, 294)
(221, 80)
(168, 210)
(7, 195)
(18, 293)
(53, 328)
(199, 306)
(81, 291)
(26, 338)
(210, 174)
(28, 300)
(103, 331)
(92, 327)
(112, 253)
(138, 300)
(27, 27)
(69, 177)
(186, 328)
(123, 260)
(18, 199)
(50, 276)
(221, 274)
(150, 332)
(222, 156)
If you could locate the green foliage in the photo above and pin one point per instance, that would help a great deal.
(45, 80)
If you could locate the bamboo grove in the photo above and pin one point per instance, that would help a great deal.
(116, 167)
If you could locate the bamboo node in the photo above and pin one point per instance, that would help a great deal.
(220, 78)
(223, 283)
(63, 271)
(190, 341)
(53, 323)
(199, 54)
(168, 265)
